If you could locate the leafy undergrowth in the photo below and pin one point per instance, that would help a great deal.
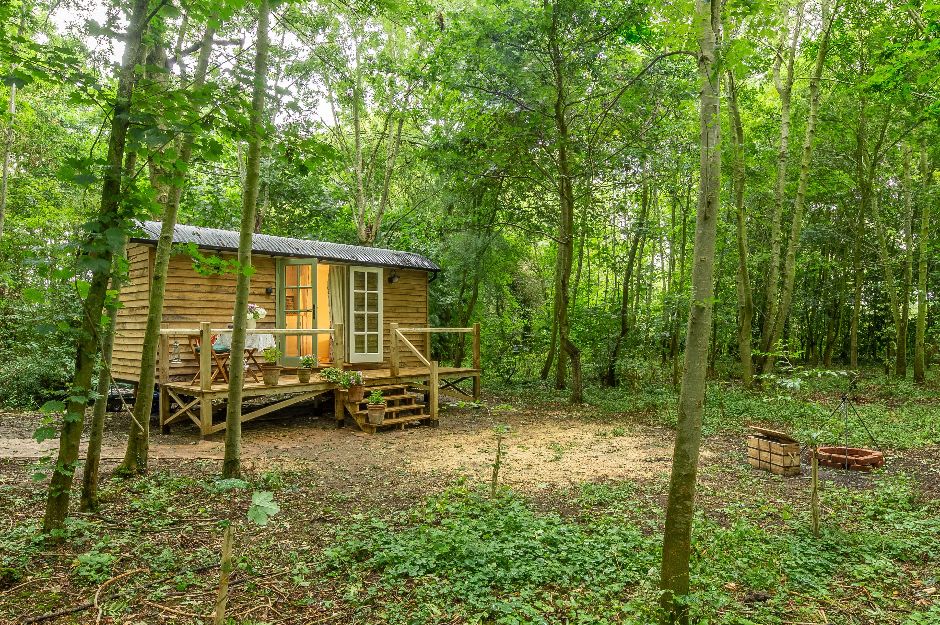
(885, 412)
(461, 557)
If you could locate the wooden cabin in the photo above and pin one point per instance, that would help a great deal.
(341, 303)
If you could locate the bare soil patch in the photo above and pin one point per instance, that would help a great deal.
(541, 447)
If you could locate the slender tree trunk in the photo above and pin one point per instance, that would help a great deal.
(566, 218)
(552, 345)
(789, 269)
(784, 86)
(920, 369)
(89, 497)
(886, 266)
(610, 373)
(96, 258)
(745, 299)
(677, 537)
(231, 466)
(864, 194)
(8, 132)
(900, 365)
(135, 456)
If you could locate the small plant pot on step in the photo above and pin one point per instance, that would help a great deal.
(303, 375)
(376, 414)
(270, 374)
(356, 393)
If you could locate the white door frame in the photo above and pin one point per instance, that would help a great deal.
(353, 333)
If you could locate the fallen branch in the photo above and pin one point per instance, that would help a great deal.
(51, 615)
(100, 608)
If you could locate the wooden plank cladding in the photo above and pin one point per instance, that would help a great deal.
(405, 303)
(192, 298)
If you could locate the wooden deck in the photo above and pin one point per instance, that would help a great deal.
(194, 401)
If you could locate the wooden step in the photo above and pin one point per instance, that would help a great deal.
(394, 409)
(396, 422)
(388, 398)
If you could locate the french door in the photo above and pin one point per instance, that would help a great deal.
(365, 314)
(297, 306)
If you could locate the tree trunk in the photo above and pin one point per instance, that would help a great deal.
(677, 537)
(8, 134)
(920, 368)
(784, 86)
(231, 466)
(745, 299)
(135, 456)
(610, 373)
(796, 227)
(96, 257)
(885, 259)
(566, 219)
(900, 365)
(89, 497)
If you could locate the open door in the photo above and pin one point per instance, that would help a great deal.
(365, 312)
(297, 306)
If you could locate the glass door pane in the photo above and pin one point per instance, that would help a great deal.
(299, 301)
(365, 314)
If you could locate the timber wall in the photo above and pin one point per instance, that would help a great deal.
(191, 298)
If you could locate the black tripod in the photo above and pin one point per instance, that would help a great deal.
(845, 404)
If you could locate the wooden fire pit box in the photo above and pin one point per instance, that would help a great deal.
(774, 451)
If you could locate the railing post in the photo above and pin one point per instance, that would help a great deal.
(393, 340)
(205, 355)
(433, 387)
(476, 346)
(163, 371)
(339, 346)
(476, 362)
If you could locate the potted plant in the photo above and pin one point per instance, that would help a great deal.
(332, 375)
(376, 408)
(352, 382)
(255, 313)
(270, 370)
(307, 363)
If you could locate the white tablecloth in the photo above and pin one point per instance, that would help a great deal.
(259, 342)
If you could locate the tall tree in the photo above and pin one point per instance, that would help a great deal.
(677, 536)
(745, 298)
(782, 310)
(106, 233)
(231, 466)
(920, 373)
(135, 456)
(786, 54)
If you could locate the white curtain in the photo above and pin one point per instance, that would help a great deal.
(338, 291)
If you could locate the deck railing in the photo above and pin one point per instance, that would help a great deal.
(205, 332)
(397, 338)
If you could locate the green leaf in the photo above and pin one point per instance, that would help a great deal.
(51, 406)
(262, 507)
(229, 484)
(33, 295)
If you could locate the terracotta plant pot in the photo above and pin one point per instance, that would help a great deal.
(303, 375)
(270, 374)
(356, 393)
(376, 414)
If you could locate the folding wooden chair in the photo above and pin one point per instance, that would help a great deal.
(219, 357)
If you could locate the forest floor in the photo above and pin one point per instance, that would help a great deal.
(400, 527)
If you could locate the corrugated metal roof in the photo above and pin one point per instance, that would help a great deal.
(213, 238)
